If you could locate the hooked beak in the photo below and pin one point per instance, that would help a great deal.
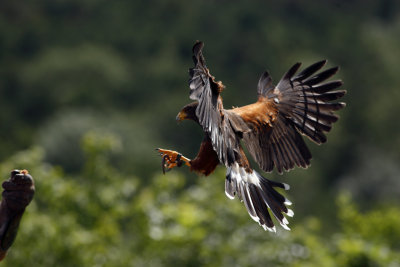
(181, 116)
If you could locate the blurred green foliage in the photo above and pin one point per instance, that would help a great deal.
(105, 218)
(89, 88)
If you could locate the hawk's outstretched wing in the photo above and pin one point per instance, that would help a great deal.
(299, 104)
(223, 127)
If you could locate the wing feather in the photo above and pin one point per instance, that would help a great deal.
(298, 104)
(223, 127)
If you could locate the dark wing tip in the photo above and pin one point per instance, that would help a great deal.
(293, 70)
(264, 75)
(264, 79)
(340, 93)
(322, 62)
(335, 69)
(197, 53)
(319, 64)
(264, 83)
(197, 47)
(322, 76)
(284, 82)
(307, 72)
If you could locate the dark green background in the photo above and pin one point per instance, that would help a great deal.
(89, 88)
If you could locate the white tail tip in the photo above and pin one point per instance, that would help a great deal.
(229, 196)
(273, 229)
(286, 186)
(290, 213)
(287, 202)
(285, 226)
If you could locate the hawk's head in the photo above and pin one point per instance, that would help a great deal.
(188, 112)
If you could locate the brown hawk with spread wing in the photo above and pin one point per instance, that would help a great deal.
(271, 129)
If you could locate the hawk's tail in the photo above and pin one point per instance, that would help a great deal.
(259, 196)
(305, 99)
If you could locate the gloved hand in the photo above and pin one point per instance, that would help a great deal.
(18, 190)
(18, 193)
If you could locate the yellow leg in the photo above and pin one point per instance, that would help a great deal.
(171, 159)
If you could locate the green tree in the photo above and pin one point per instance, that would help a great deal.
(103, 217)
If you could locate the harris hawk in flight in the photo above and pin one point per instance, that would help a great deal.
(271, 129)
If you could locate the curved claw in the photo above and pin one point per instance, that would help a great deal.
(171, 159)
(163, 165)
(178, 160)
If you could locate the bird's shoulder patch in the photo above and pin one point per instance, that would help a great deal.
(261, 113)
